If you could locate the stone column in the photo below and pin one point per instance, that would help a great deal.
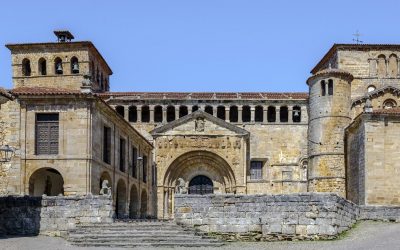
(126, 113)
(303, 117)
(227, 119)
(164, 114)
(139, 114)
(151, 108)
(265, 114)
(278, 113)
(176, 112)
(215, 111)
(290, 114)
(240, 109)
(252, 113)
(190, 109)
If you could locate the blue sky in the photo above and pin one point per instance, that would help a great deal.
(202, 45)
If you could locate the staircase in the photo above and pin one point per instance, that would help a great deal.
(139, 233)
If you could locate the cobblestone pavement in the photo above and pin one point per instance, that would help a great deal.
(367, 235)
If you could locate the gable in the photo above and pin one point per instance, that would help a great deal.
(381, 93)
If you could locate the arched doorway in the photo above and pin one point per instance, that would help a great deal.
(120, 202)
(133, 203)
(46, 181)
(143, 204)
(201, 185)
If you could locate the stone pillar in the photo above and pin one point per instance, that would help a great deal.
(151, 108)
(265, 114)
(164, 114)
(126, 113)
(176, 113)
(190, 109)
(215, 111)
(240, 109)
(139, 114)
(278, 113)
(227, 119)
(252, 113)
(290, 114)
(303, 116)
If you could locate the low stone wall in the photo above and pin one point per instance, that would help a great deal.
(267, 217)
(24, 215)
(380, 213)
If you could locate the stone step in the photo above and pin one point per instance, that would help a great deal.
(161, 244)
(177, 240)
(131, 236)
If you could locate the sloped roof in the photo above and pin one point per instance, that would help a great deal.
(375, 93)
(6, 94)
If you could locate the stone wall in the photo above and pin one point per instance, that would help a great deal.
(25, 215)
(267, 217)
(380, 213)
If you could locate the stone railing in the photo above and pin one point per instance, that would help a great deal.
(267, 217)
(24, 215)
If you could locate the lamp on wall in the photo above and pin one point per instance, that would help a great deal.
(6, 153)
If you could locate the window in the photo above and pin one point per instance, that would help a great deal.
(330, 87)
(284, 114)
(170, 113)
(221, 112)
(259, 114)
(195, 108)
(58, 67)
(107, 145)
(233, 114)
(393, 66)
(381, 65)
(183, 110)
(46, 141)
(120, 110)
(74, 65)
(26, 67)
(323, 90)
(145, 114)
(144, 168)
(209, 109)
(158, 114)
(42, 67)
(296, 115)
(389, 103)
(246, 114)
(122, 153)
(271, 114)
(134, 162)
(132, 115)
(256, 170)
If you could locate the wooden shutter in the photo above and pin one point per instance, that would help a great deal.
(47, 133)
(107, 145)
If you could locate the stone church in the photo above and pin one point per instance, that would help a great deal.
(71, 133)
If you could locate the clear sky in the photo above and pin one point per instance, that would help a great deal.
(202, 45)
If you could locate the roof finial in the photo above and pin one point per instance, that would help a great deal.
(357, 37)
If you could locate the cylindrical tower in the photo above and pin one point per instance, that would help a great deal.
(329, 107)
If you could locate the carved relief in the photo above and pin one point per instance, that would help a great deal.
(199, 124)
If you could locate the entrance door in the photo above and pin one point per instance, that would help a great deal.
(201, 185)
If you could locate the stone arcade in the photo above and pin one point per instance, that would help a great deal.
(74, 138)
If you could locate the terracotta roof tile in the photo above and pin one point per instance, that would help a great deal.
(43, 91)
(391, 111)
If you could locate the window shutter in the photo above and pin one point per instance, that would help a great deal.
(47, 133)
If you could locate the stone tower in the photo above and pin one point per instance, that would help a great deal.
(329, 105)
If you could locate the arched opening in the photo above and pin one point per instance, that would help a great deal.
(42, 66)
(284, 114)
(233, 114)
(259, 114)
(132, 115)
(271, 114)
(389, 103)
(105, 176)
(330, 87)
(26, 67)
(209, 109)
(296, 115)
(58, 67)
(393, 65)
(195, 108)
(46, 181)
(143, 204)
(120, 110)
(158, 114)
(120, 202)
(170, 113)
(134, 203)
(371, 88)
(323, 88)
(246, 114)
(74, 65)
(145, 114)
(183, 110)
(221, 112)
(381, 65)
(201, 185)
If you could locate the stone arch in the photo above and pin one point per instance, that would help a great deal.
(26, 67)
(58, 66)
(46, 181)
(158, 113)
(259, 114)
(145, 114)
(271, 114)
(42, 66)
(221, 112)
(74, 65)
(133, 202)
(381, 65)
(143, 204)
(120, 199)
(393, 65)
(170, 113)
(209, 109)
(233, 114)
(283, 114)
(120, 110)
(246, 113)
(389, 103)
(183, 110)
(132, 114)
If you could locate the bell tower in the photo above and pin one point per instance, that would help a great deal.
(64, 64)
(329, 105)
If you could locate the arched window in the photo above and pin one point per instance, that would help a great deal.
(26, 67)
(283, 114)
(221, 112)
(296, 115)
(170, 113)
(323, 89)
(58, 67)
(246, 114)
(158, 114)
(371, 88)
(42, 67)
(132, 114)
(183, 110)
(195, 108)
(389, 103)
(74, 65)
(271, 114)
(330, 87)
(259, 114)
(120, 110)
(393, 65)
(145, 114)
(381, 65)
(209, 109)
(233, 114)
